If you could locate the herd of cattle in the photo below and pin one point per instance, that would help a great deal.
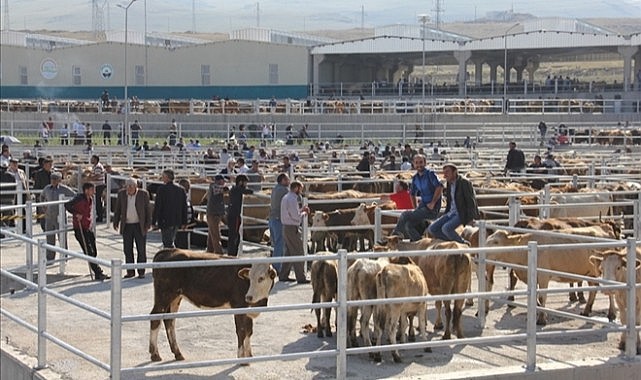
(345, 219)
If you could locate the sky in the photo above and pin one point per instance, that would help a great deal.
(287, 15)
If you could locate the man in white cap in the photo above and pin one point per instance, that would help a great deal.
(50, 193)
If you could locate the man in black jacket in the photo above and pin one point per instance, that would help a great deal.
(515, 160)
(42, 178)
(170, 209)
(461, 206)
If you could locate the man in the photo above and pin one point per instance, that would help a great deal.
(132, 218)
(215, 213)
(97, 177)
(543, 129)
(291, 215)
(427, 186)
(255, 176)
(234, 210)
(515, 160)
(363, 165)
(391, 165)
(51, 193)
(41, 179)
(81, 207)
(135, 133)
(461, 206)
(22, 188)
(275, 225)
(106, 133)
(170, 209)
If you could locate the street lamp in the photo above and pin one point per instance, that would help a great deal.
(423, 19)
(125, 128)
(505, 69)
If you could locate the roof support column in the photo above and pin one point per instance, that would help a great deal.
(316, 62)
(637, 70)
(478, 73)
(493, 67)
(627, 52)
(462, 56)
(531, 67)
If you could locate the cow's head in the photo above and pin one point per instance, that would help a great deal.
(319, 218)
(360, 216)
(261, 280)
(497, 239)
(611, 265)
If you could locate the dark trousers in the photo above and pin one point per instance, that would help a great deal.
(132, 233)
(168, 235)
(87, 241)
(233, 239)
(100, 208)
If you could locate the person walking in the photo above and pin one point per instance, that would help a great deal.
(291, 215)
(51, 193)
(515, 159)
(215, 212)
(41, 179)
(132, 219)
(275, 224)
(461, 206)
(106, 133)
(234, 210)
(135, 130)
(170, 209)
(22, 189)
(426, 185)
(82, 208)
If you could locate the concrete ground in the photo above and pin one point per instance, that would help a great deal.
(205, 338)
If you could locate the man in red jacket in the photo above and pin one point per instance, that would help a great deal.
(81, 207)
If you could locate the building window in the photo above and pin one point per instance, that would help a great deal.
(23, 75)
(75, 75)
(273, 73)
(140, 75)
(205, 75)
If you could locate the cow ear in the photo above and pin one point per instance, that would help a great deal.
(325, 216)
(272, 272)
(244, 273)
(596, 260)
(638, 262)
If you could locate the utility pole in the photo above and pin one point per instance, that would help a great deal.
(6, 25)
(438, 9)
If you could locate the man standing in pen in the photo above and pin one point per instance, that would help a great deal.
(291, 215)
(275, 225)
(170, 209)
(52, 193)
(132, 218)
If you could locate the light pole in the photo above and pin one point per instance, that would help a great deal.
(125, 129)
(423, 19)
(505, 69)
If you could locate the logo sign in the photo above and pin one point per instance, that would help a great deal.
(48, 68)
(106, 71)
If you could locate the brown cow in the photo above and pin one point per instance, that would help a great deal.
(395, 281)
(235, 286)
(574, 261)
(612, 265)
(324, 285)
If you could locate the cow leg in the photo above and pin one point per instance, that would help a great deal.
(244, 331)
(319, 326)
(469, 301)
(411, 334)
(351, 327)
(366, 314)
(328, 316)
(512, 285)
(588, 306)
(380, 315)
(542, 318)
(170, 327)
(391, 326)
(573, 297)
(153, 334)
(438, 324)
(422, 324)
(448, 319)
(612, 310)
(456, 321)
(489, 284)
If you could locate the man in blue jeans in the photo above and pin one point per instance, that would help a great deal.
(426, 185)
(170, 209)
(461, 206)
(275, 224)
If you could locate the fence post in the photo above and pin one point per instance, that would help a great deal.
(545, 211)
(26, 213)
(341, 333)
(116, 319)
(631, 293)
(42, 304)
(636, 218)
(62, 234)
(305, 228)
(480, 273)
(514, 210)
(531, 305)
(108, 199)
(377, 224)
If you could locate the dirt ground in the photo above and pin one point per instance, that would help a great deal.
(282, 332)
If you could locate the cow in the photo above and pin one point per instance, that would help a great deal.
(444, 274)
(395, 281)
(364, 214)
(361, 285)
(342, 218)
(612, 265)
(235, 286)
(574, 261)
(324, 286)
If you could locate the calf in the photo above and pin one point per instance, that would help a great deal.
(235, 286)
(574, 261)
(395, 281)
(324, 286)
(612, 266)
(342, 218)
